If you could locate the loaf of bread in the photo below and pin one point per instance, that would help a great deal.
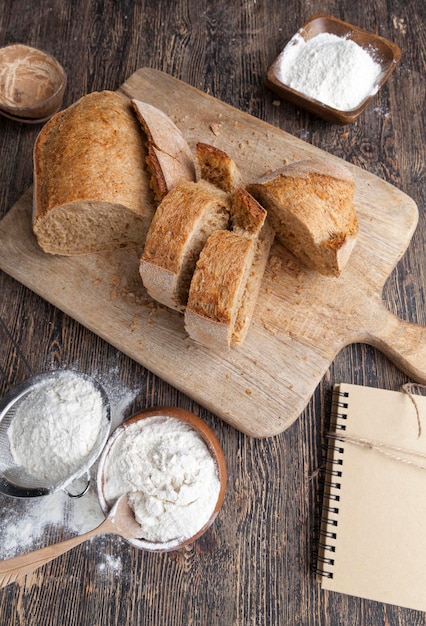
(227, 277)
(91, 187)
(169, 158)
(185, 218)
(310, 206)
(218, 167)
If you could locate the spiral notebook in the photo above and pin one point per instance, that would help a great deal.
(373, 527)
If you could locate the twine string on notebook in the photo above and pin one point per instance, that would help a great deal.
(393, 452)
(408, 389)
(381, 448)
(377, 446)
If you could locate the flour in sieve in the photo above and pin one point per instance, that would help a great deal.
(333, 70)
(56, 426)
(33, 522)
(170, 475)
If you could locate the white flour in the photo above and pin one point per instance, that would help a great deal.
(56, 426)
(32, 523)
(170, 474)
(331, 69)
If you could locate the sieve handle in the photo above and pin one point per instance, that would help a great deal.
(15, 568)
(80, 493)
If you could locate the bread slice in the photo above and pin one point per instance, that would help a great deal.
(227, 278)
(91, 188)
(181, 225)
(310, 205)
(218, 168)
(247, 215)
(169, 158)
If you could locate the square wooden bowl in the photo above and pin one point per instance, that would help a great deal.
(383, 51)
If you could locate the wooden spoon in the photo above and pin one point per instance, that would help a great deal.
(121, 521)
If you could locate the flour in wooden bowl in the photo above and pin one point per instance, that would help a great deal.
(333, 70)
(170, 475)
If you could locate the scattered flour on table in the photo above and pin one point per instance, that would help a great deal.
(110, 563)
(56, 426)
(31, 523)
(333, 70)
(170, 475)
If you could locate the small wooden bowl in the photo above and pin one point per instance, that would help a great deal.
(212, 444)
(384, 52)
(32, 84)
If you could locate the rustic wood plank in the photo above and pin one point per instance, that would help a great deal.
(252, 567)
(301, 319)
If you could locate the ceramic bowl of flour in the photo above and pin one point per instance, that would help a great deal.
(173, 468)
(333, 69)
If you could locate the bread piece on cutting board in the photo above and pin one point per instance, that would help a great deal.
(169, 158)
(310, 205)
(185, 218)
(218, 167)
(228, 275)
(91, 187)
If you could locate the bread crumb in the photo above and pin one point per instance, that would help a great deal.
(215, 128)
(269, 327)
(134, 323)
(114, 280)
(249, 392)
(276, 103)
(97, 281)
(274, 267)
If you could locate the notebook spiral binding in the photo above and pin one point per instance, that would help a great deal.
(326, 526)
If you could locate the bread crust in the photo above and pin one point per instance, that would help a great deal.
(217, 287)
(218, 167)
(169, 157)
(310, 205)
(225, 288)
(179, 229)
(228, 275)
(247, 215)
(91, 188)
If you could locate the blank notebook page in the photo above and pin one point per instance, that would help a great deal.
(373, 530)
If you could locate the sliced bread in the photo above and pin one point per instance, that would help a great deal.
(218, 168)
(91, 188)
(227, 278)
(169, 158)
(185, 218)
(310, 206)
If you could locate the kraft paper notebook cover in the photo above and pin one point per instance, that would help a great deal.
(373, 529)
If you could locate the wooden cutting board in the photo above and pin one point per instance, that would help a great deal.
(301, 320)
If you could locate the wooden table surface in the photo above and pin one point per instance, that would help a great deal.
(253, 566)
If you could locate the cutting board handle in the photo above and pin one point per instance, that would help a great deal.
(404, 343)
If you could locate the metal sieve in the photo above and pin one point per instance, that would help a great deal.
(14, 479)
